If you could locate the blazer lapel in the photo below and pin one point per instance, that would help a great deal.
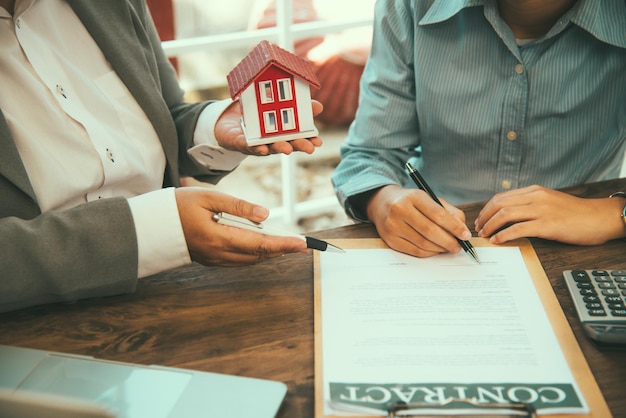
(113, 26)
(11, 165)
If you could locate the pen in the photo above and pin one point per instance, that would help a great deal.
(421, 183)
(242, 223)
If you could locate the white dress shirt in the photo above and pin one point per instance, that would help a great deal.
(81, 134)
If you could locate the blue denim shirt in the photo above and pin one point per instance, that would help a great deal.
(448, 87)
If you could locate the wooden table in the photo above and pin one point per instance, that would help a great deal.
(258, 321)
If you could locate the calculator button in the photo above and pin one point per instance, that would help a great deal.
(619, 279)
(619, 312)
(588, 292)
(603, 279)
(595, 305)
(580, 276)
(597, 312)
(613, 299)
(591, 299)
(600, 273)
(606, 285)
(610, 292)
(618, 273)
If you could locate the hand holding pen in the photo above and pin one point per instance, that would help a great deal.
(212, 244)
(421, 183)
(242, 223)
(411, 222)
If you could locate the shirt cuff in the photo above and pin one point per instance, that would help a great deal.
(206, 150)
(160, 238)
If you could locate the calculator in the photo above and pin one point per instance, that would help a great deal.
(600, 300)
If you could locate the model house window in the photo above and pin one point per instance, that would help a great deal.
(270, 121)
(284, 89)
(288, 119)
(266, 92)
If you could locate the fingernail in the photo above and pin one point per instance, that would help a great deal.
(260, 212)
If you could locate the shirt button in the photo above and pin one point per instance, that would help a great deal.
(18, 23)
(519, 68)
(506, 184)
(60, 91)
(511, 135)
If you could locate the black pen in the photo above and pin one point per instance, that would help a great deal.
(421, 183)
(243, 223)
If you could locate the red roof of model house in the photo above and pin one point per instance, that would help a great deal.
(262, 56)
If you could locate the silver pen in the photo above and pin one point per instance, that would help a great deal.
(242, 223)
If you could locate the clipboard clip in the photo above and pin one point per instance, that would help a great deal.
(464, 408)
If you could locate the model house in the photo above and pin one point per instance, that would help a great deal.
(274, 89)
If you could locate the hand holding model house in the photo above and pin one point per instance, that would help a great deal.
(273, 88)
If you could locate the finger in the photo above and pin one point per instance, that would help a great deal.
(317, 107)
(303, 145)
(446, 222)
(219, 202)
(306, 145)
(519, 196)
(498, 203)
(505, 218)
(316, 141)
(410, 241)
(512, 231)
(258, 150)
(423, 244)
(281, 147)
(460, 230)
(426, 226)
(257, 246)
(241, 247)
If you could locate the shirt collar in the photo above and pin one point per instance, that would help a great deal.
(442, 10)
(20, 7)
(604, 20)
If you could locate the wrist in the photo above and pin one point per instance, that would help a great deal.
(359, 203)
(380, 202)
(622, 213)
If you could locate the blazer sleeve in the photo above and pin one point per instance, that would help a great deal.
(63, 256)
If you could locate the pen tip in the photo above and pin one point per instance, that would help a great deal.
(335, 249)
(469, 249)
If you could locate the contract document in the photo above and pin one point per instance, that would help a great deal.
(401, 330)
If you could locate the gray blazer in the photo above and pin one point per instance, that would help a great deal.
(92, 250)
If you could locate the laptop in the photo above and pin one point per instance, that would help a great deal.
(46, 384)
